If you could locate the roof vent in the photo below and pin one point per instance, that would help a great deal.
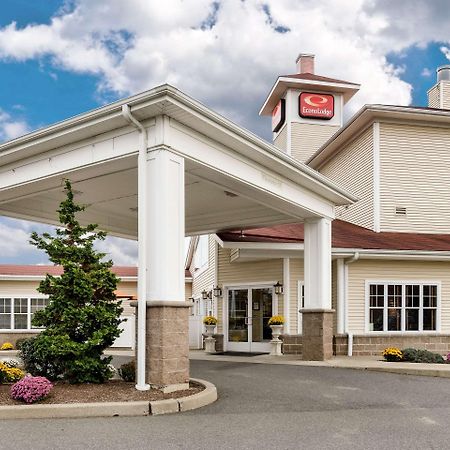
(400, 210)
(443, 73)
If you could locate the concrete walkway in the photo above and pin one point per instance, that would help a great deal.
(373, 363)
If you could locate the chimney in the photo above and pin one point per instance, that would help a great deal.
(439, 94)
(305, 63)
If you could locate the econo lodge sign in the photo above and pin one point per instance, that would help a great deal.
(316, 106)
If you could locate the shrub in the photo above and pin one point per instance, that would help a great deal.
(128, 371)
(422, 356)
(392, 354)
(31, 389)
(10, 374)
(7, 346)
(82, 317)
(210, 320)
(409, 354)
(276, 320)
(19, 342)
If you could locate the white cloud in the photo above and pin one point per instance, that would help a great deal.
(10, 127)
(426, 72)
(228, 53)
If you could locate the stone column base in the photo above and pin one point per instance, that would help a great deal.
(167, 345)
(317, 334)
(210, 345)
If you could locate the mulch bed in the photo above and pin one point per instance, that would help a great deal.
(112, 391)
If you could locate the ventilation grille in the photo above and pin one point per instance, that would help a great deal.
(400, 210)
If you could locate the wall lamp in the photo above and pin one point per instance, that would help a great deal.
(206, 295)
(217, 290)
(278, 288)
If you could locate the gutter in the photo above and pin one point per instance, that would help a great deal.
(141, 385)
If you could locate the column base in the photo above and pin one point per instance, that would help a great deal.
(276, 347)
(167, 345)
(317, 334)
(210, 345)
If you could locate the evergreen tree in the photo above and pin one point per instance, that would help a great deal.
(83, 314)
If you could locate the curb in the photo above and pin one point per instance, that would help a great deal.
(411, 371)
(113, 409)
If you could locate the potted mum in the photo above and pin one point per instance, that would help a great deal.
(210, 324)
(276, 324)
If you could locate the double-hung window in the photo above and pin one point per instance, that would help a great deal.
(16, 313)
(402, 306)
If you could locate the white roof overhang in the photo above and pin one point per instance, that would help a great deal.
(98, 152)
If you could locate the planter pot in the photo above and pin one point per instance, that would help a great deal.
(209, 330)
(276, 331)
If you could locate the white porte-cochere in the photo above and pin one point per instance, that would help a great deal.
(159, 166)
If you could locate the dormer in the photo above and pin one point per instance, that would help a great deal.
(306, 109)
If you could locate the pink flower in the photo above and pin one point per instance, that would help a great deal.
(31, 389)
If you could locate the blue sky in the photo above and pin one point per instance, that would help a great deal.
(61, 58)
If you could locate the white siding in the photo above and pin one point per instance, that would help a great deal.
(352, 168)
(445, 87)
(281, 140)
(415, 174)
(307, 138)
(205, 279)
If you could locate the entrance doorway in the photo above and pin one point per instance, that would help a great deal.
(249, 310)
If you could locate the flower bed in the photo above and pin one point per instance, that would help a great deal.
(394, 354)
(111, 391)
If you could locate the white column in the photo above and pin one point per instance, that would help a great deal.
(165, 225)
(340, 300)
(286, 294)
(318, 264)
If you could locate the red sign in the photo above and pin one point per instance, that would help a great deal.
(278, 115)
(316, 106)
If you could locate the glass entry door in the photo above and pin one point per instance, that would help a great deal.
(249, 310)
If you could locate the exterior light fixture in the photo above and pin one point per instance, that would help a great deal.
(191, 299)
(206, 295)
(217, 291)
(278, 288)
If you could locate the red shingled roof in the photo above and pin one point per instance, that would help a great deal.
(314, 77)
(345, 235)
(42, 270)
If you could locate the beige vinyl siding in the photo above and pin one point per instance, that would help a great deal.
(205, 280)
(383, 270)
(433, 97)
(281, 140)
(414, 167)
(29, 288)
(445, 87)
(352, 169)
(297, 274)
(237, 273)
(307, 138)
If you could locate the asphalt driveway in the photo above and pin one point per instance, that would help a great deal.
(269, 406)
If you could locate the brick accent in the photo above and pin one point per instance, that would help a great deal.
(366, 345)
(292, 344)
(167, 343)
(317, 334)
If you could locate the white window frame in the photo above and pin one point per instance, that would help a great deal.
(300, 297)
(28, 297)
(403, 283)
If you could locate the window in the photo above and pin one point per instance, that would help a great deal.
(201, 253)
(16, 313)
(402, 306)
(300, 304)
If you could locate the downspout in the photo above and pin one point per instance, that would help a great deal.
(348, 261)
(141, 385)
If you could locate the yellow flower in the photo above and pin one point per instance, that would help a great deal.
(210, 320)
(276, 320)
(11, 374)
(7, 346)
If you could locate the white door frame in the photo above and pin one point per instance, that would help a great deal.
(247, 346)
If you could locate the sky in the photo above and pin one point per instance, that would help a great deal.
(60, 58)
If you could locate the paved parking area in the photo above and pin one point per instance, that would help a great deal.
(264, 406)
